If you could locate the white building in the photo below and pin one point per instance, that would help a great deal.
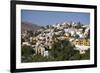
(46, 53)
(26, 43)
(81, 48)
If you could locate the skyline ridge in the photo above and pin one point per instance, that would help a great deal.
(53, 17)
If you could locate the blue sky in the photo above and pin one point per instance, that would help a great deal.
(52, 17)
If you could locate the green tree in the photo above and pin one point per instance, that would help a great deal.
(78, 56)
(26, 53)
(62, 50)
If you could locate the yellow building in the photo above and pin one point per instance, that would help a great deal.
(85, 42)
(82, 45)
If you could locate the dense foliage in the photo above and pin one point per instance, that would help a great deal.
(61, 50)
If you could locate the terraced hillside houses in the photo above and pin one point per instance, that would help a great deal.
(42, 40)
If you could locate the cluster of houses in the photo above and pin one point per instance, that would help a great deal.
(76, 33)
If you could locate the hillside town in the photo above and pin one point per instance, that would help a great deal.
(42, 40)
